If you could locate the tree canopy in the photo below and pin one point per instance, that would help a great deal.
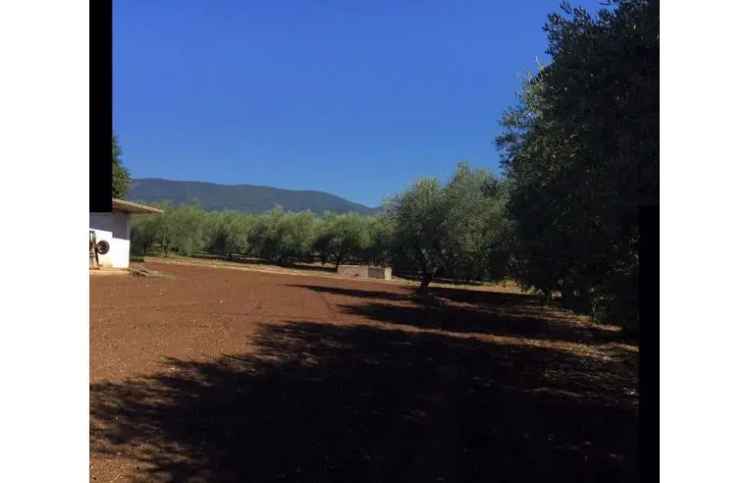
(454, 230)
(120, 174)
(581, 153)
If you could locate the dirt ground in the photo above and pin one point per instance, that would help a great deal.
(214, 374)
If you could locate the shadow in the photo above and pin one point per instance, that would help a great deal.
(487, 299)
(470, 311)
(406, 294)
(241, 259)
(330, 403)
(314, 268)
(450, 281)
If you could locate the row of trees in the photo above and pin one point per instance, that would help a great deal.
(277, 236)
(431, 229)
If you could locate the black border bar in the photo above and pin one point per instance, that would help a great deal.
(100, 108)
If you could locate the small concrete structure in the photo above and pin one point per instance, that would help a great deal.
(382, 273)
(363, 271)
(114, 229)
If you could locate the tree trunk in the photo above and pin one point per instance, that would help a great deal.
(423, 287)
(427, 277)
(339, 258)
(164, 245)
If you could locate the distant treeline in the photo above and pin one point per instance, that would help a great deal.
(430, 230)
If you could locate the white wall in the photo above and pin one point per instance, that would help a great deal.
(115, 229)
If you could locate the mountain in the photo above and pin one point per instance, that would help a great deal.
(245, 198)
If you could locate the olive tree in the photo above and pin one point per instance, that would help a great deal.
(145, 232)
(182, 230)
(459, 230)
(282, 237)
(476, 245)
(582, 153)
(322, 244)
(226, 233)
(350, 237)
(380, 233)
(420, 227)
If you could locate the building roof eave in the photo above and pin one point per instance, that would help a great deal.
(133, 208)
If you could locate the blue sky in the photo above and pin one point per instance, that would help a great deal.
(358, 101)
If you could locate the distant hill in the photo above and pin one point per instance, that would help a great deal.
(245, 198)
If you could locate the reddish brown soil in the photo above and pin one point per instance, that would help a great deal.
(226, 375)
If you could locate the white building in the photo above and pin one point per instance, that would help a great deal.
(112, 232)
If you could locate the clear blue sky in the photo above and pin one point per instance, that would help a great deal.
(358, 101)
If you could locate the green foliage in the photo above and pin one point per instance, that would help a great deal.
(381, 239)
(281, 237)
(454, 230)
(180, 229)
(226, 233)
(419, 217)
(258, 231)
(323, 236)
(120, 175)
(581, 155)
(291, 237)
(184, 230)
(476, 214)
(350, 236)
(145, 232)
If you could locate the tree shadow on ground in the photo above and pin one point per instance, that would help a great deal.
(451, 281)
(334, 403)
(471, 311)
(404, 294)
(245, 260)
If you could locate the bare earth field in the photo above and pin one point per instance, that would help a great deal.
(218, 374)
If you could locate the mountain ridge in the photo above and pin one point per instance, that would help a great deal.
(246, 198)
